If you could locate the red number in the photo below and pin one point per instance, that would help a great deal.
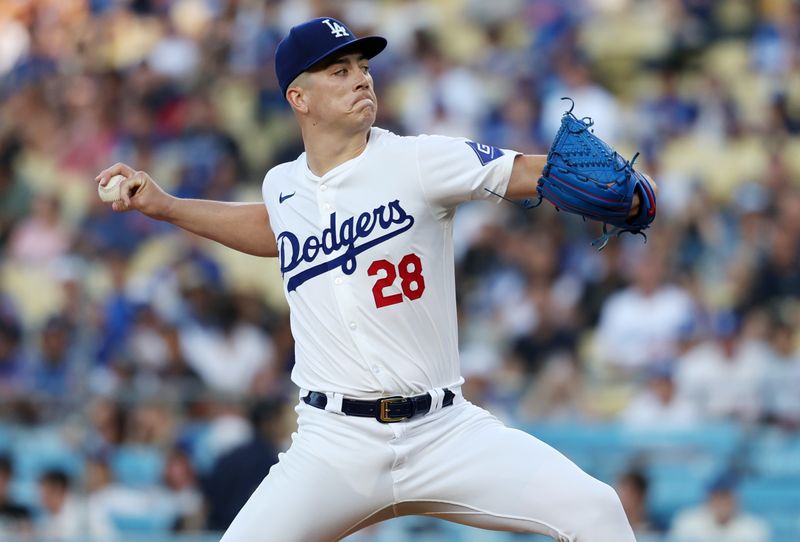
(382, 300)
(411, 274)
(411, 280)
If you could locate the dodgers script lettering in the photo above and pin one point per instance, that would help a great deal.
(390, 219)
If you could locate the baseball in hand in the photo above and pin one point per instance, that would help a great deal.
(111, 191)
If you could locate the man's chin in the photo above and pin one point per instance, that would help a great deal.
(365, 115)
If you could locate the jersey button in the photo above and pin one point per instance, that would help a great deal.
(338, 280)
(324, 187)
(327, 206)
(353, 325)
(375, 369)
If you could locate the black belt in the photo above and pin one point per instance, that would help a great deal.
(386, 409)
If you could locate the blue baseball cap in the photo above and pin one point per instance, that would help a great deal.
(724, 482)
(315, 40)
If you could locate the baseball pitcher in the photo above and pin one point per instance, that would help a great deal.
(361, 224)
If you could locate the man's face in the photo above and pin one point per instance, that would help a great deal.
(723, 506)
(52, 496)
(340, 91)
(5, 478)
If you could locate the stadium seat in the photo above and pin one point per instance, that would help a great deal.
(771, 495)
(784, 526)
(35, 451)
(775, 454)
(719, 441)
(145, 510)
(137, 466)
(146, 523)
(669, 494)
(5, 438)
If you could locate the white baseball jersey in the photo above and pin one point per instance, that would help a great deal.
(366, 253)
(367, 258)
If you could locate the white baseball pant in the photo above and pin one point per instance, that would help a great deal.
(343, 473)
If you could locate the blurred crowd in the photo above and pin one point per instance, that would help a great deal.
(139, 365)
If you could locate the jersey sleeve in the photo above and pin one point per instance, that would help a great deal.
(455, 170)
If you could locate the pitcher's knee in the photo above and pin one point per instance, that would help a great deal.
(599, 510)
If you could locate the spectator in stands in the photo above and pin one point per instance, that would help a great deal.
(146, 343)
(62, 517)
(657, 406)
(150, 423)
(11, 360)
(725, 377)
(558, 394)
(632, 489)
(103, 498)
(15, 195)
(670, 112)
(15, 519)
(236, 474)
(778, 275)
(229, 355)
(719, 519)
(574, 80)
(187, 89)
(109, 422)
(43, 236)
(184, 492)
(118, 312)
(627, 341)
(205, 146)
(55, 369)
(782, 389)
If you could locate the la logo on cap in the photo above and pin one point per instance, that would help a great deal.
(336, 29)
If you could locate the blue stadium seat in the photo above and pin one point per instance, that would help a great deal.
(137, 466)
(775, 454)
(6, 438)
(719, 441)
(784, 526)
(669, 494)
(35, 451)
(771, 495)
(152, 522)
(195, 438)
(599, 437)
(424, 529)
(25, 492)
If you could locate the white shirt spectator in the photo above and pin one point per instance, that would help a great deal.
(782, 388)
(698, 525)
(724, 385)
(75, 519)
(41, 238)
(444, 100)
(650, 410)
(591, 101)
(15, 42)
(175, 56)
(227, 363)
(638, 328)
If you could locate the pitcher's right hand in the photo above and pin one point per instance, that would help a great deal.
(138, 191)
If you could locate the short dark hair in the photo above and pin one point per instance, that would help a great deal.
(55, 477)
(637, 479)
(6, 466)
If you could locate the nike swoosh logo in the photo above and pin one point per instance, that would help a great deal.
(282, 198)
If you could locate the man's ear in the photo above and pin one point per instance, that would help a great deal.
(298, 99)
